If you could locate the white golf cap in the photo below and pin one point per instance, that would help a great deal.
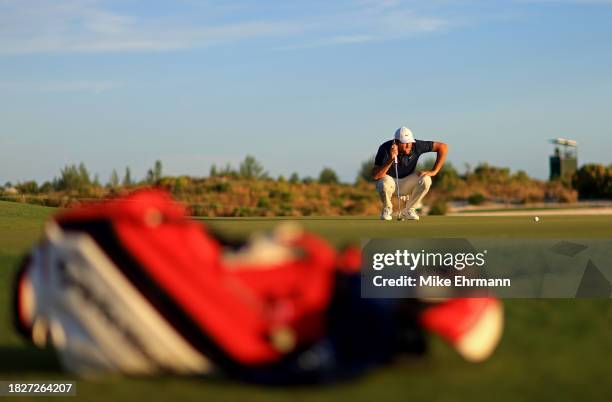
(404, 135)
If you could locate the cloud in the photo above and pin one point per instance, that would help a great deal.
(90, 26)
(68, 26)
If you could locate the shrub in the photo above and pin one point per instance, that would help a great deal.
(593, 181)
(556, 191)
(282, 195)
(73, 178)
(328, 176)
(263, 202)
(357, 207)
(365, 170)
(336, 202)
(294, 178)
(46, 187)
(439, 207)
(196, 210)
(242, 211)
(476, 199)
(250, 168)
(221, 187)
(361, 196)
(306, 210)
(490, 174)
(284, 210)
(447, 178)
(28, 187)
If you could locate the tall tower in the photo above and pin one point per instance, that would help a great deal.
(563, 163)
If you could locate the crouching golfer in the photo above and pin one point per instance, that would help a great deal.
(414, 185)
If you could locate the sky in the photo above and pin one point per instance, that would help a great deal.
(298, 84)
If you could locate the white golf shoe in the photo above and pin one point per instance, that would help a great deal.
(409, 214)
(386, 214)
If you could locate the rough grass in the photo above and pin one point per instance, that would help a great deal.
(552, 349)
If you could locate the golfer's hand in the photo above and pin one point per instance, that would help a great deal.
(394, 152)
(429, 173)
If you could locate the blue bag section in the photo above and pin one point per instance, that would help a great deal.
(362, 334)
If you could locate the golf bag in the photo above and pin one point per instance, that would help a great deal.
(133, 286)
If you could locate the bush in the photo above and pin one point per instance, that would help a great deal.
(180, 184)
(439, 207)
(593, 181)
(28, 187)
(556, 191)
(196, 210)
(476, 199)
(250, 168)
(284, 210)
(336, 202)
(328, 176)
(73, 178)
(356, 208)
(46, 187)
(294, 178)
(306, 210)
(447, 178)
(370, 196)
(242, 211)
(221, 187)
(490, 174)
(365, 170)
(263, 202)
(282, 195)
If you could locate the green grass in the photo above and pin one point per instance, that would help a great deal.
(552, 349)
(543, 208)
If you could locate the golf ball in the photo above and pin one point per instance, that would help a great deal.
(536, 219)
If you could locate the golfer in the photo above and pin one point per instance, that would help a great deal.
(412, 185)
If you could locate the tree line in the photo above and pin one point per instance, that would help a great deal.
(591, 181)
(78, 178)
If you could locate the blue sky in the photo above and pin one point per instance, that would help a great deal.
(300, 85)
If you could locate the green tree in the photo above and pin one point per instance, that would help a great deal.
(27, 187)
(213, 171)
(113, 182)
(227, 171)
(84, 175)
(294, 178)
(46, 187)
(447, 178)
(155, 174)
(328, 176)
(593, 181)
(365, 170)
(127, 178)
(486, 173)
(157, 170)
(150, 177)
(73, 178)
(250, 168)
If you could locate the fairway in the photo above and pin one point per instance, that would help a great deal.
(551, 349)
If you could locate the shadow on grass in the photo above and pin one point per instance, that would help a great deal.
(24, 359)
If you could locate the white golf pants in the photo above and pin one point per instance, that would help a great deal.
(412, 186)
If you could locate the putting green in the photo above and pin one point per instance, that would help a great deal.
(552, 349)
